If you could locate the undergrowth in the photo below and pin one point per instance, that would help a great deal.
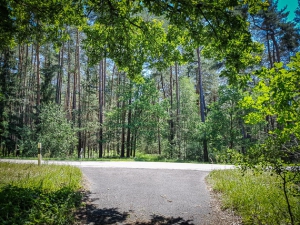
(31, 194)
(258, 198)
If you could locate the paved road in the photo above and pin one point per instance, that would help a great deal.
(145, 193)
(132, 165)
(147, 196)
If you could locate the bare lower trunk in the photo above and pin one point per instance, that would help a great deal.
(202, 105)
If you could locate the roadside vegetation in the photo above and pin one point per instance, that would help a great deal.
(31, 194)
(257, 197)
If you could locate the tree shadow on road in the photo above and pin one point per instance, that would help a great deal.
(105, 215)
(93, 214)
(161, 220)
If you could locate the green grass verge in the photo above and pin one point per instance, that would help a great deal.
(31, 194)
(257, 198)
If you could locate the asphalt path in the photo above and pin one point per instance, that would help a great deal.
(144, 193)
(130, 164)
(147, 196)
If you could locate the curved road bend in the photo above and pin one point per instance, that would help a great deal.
(146, 193)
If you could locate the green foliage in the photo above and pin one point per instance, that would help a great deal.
(130, 42)
(149, 114)
(191, 127)
(133, 37)
(8, 82)
(276, 99)
(27, 143)
(224, 120)
(273, 28)
(55, 133)
(32, 194)
(119, 31)
(149, 157)
(276, 96)
(257, 198)
(39, 21)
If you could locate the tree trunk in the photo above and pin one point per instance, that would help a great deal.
(269, 50)
(38, 79)
(25, 89)
(128, 145)
(128, 150)
(79, 147)
(103, 97)
(158, 137)
(74, 105)
(171, 122)
(162, 85)
(277, 51)
(101, 108)
(123, 124)
(202, 104)
(177, 111)
(68, 94)
(118, 108)
(59, 75)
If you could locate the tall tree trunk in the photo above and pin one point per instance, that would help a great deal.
(87, 91)
(134, 139)
(74, 105)
(20, 93)
(117, 134)
(25, 87)
(103, 98)
(38, 79)
(32, 86)
(171, 122)
(68, 94)
(101, 108)
(277, 51)
(123, 122)
(162, 85)
(269, 50)
(158, 137)
(177, 111)
(59, 75)
(128, 145)
(79, 146)
(202, 104)
(111, 87)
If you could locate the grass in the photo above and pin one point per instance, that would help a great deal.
(31, 194)
(257, 198)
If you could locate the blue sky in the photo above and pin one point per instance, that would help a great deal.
(291, 6)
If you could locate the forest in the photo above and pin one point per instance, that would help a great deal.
(208, 81)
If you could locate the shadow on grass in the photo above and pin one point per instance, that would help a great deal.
(92, 214)
(33, 206)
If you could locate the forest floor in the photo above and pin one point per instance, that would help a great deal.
(145, 193)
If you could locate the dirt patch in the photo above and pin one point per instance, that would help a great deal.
(221, 216)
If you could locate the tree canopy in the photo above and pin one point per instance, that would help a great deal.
(120, 31)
